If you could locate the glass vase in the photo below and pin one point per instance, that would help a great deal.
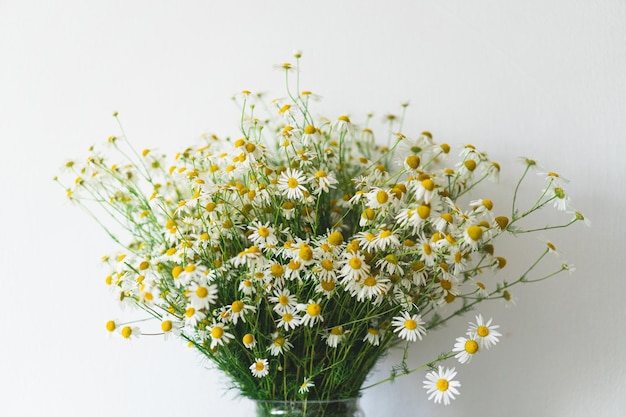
(330, 408)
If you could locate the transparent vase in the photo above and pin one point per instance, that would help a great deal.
(331, 408)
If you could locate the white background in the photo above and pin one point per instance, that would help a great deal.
(545, 79)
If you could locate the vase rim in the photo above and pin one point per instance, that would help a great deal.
(282, 401)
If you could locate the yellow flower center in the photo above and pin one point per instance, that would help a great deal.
(369, 213)
(413, 161)
(410, 324)
(474, 232)
(248, 339)
(283, 300)
(217, 332)
(259, 366)
(190, 268)
(370, 281)
(382, 197)
(305, 253)
(471, 347)
(279, 341)
(287, 317)
(126, 332)
(263, 231)
(237, 306)
(470, 164)
(277, 270)
(313, 309)
(309, 130)
(166, 326)
(482, 331)
(446, 285)
(337, 331)
(442, 384)
(292, 183)
(327, 264)
(202, 292)
(335, 238)
(327, 285)
(428, 184)
(384, 234)
(355, 263)
(190, 312)
(423, 211)
(111, 325)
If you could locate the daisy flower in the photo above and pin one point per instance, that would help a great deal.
(484, 332)
(260, 368)
(202, 295)
(323, 182)
(373, 336)
(306, 385)
(129, 332)
(465, 349)
(284, 301)
(313, 313)
(289, 320)
(219, 334)
(441, 386)
(279, 345)
(291, 184)
(335, 336)
(409, 327)
(249, 341)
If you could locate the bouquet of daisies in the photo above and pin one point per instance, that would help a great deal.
(295, 255)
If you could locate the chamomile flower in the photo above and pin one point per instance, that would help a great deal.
(465, 348)
(279, 345)
(129, 332)
(441, 386)
(323, 181)
(283, 301)
(289, 320)
(262, 234)
(306, 385)
(202, 295)
(291, 184)
(373, 336)
(260, 368)
(219, 334)
(335, 336)
(248, 340)
(409, 327)
(484, 332)
(238, 309)
(313, 313)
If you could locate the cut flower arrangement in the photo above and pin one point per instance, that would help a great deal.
(296, 255)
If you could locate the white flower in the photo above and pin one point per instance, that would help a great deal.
(289, 320)
(291, 184)
(465, 349)
(313, 313)
(409, 327)
(335, 336)
(260, 368)
(373, 336)
(279, 345)
(304, 388)
(441, 386)
(219, 334)
(484, 332)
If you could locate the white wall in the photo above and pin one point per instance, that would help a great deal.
(536, 78)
